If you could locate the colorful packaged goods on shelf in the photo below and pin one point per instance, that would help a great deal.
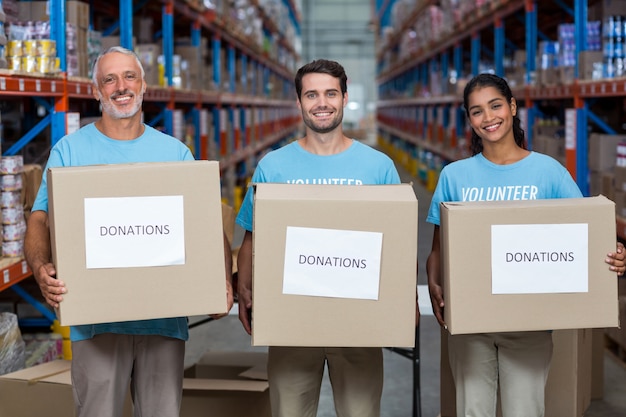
(42, 348)
(30, 50)
(12, 209)
(613, 40)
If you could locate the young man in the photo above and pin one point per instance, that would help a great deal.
(148, 354)
(295, 373)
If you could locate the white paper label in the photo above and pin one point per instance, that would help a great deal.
(332, 263)
(539, 258)
(125, 232)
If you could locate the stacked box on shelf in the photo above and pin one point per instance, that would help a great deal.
(430, 26)
(602, 161)
(590, 65)
(194, 58)
(143, 28)
(13, 221)
(42, 348)
(149, 56)
(37, 13)
(549, 138)
(516, 72)
(31, 179)
(30, 48)
(10, 9)
(547, 59)
(619, 176)
(613, 17)
(94, 48)
(567, 48)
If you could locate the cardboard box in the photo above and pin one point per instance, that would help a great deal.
(589, 63)
(229, 384)
(566, 75)
(195, 64)
(538, 263)
(619, 197)
(335, 222)
(137, 241)
(148, 55)
(603, 8)
(619, 178)
(76, 12)
(617, 336)
(568, 389)
(597, 364)
(31, 180)
(603, 151)
(228, 221)
(608, 185)
(42, 390)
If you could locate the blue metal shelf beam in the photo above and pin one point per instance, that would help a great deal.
(499, 47)
(126, 24)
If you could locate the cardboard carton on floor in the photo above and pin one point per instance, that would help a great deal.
(42, 390)
(334, 265)
(137, 241)
(538, 263)
(227, 384)
(569, 385)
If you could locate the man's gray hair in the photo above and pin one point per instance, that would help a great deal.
(118, 49)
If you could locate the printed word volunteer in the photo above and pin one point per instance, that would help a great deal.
(505, 192)
(326, 181)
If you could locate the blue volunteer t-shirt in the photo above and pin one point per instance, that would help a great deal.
(88, 146)
(292, 164)
(537, 176)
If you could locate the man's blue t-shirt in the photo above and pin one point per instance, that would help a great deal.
(292, 164)
(537, 176)
(88, 146)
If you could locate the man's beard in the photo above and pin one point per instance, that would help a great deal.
(116, 113)
(310, 123)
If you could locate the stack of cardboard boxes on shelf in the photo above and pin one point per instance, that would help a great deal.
(32, 24)
(433, 24)
(240, 17)
(615, 339)
(549, 138)
(607, 169)
(19, 184)
(603, 58)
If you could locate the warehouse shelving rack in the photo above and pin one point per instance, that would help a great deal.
(417, 127)
(411, 123)
(233, 125)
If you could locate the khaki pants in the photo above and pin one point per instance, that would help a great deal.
(104, 366)
(295, 377)
(518, 361)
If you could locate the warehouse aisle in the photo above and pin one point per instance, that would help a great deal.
(227, 334)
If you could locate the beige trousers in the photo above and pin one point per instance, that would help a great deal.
(518, 362)
(103, 368)
(295, 377)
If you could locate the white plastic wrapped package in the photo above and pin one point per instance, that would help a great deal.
(12, 348)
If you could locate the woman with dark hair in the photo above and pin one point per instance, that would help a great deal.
(489, 80)
(516, 362)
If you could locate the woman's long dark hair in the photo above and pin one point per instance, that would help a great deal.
(490, 80)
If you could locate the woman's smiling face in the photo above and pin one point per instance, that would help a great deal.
(491, 115)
